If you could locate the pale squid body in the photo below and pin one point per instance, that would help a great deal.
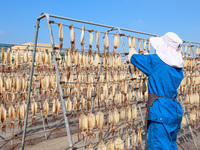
(110, 145)
(101, 146)
(140, 45)
(97, 39)
(34, 110)
(189, 50)
(46, 108)
(145, 44)
(115, 117)
(60, 35)
(11, 113)
(8, 84)
(134, 111)
(68, 104)
(75, 104)
(133, 138)
(197, 51)
(82, 41)
(185, 50)
(2, 115)
(106, 41)
(133, 42)
(18, 114)
(89, 147)
(110, 116)
(91, 120)
(23, 110)
(2, 54)
(83, 122)
(148, 48)
(122, 113)
(90, 38)
(127, 141)
(8, 57)
(99, 119)
(55, 108)
(183, 121)
(129, 41)
(1, 85)
(181, 49)
(116, 40)
(129, 96)
(72, 33)
(96, 60)
(119, 143)
(139, 136)
(68, 58)
(128, 113)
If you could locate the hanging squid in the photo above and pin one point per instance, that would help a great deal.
(60, 35)
(11, 115)
(82, 41)
(46, 110)
(106, 41)
(97, 40)
(72, 36)
(83, 125)
(133, 42)
(3, 118)
(140, 45)
(90, 39)
(34, 111)
(148, 48)
(116, 42)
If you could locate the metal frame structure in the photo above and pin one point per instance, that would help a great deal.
(43, 15)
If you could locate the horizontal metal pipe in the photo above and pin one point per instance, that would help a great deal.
(41, 16)
(102, 25)
(108, 26)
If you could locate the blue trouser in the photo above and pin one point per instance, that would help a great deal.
(162, 136)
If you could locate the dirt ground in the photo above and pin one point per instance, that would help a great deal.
(184, 142)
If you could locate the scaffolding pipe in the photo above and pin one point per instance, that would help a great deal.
(132, 77)
(30, 83)
(60, 86)
(108, 26)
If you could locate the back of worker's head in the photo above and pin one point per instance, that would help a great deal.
(167, 48)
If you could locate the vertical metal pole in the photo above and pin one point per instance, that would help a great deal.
(41, 112)
(43, 121)
(131, 77)
(59, 85)
(136, 96)
(30, 83)
(97, 81)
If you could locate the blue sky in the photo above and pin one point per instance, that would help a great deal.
(18, 17)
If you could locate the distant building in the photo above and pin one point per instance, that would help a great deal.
(40, 46)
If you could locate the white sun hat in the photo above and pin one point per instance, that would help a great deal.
(167, 48)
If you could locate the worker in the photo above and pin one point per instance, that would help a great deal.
(165, 73)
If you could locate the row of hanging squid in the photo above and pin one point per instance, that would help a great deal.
(99, 104)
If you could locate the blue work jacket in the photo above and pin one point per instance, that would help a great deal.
(163, 80)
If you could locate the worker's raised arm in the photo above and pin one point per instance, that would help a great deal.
(142, 62)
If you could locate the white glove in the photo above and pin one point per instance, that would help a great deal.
(131, 52)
